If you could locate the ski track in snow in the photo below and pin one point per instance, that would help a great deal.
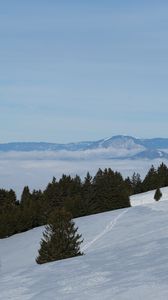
(107, 229)
(133, 266)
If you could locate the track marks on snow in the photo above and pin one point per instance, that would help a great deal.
(107, 229)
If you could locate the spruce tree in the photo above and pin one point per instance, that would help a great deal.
(150, 181)
(89, 204)
(26, 196)
(158, 194)
(60, 238)
(162, 172)
(136, 183)
(111, 191)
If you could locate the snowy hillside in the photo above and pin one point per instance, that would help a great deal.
(126, 258)
(146, 198)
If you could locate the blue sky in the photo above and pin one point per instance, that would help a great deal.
(83, 70)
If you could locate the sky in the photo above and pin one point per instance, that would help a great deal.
(83, 70)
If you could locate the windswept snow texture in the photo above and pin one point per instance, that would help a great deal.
(126, 258)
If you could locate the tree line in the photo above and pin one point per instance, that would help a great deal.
(107, 190)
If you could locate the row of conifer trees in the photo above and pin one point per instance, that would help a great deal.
(107, 190)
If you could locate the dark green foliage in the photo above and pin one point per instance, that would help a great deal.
(162, 172)
(8, 209)
(7, 200)
(158, 194)
(89, 204)
(151, 180)
(52, 196)
(110, 191)
(156, 178)
(136, 183)
(8, 222)
(74, 205)
(58, 194)
(20, 216)
(26, 196)
(107, 190)
(60, 239)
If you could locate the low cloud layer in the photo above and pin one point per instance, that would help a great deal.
(36, 169)
(93, 154)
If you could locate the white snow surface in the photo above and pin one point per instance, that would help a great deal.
(126, 258)
(146, 198)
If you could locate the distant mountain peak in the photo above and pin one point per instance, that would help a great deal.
(118, 146)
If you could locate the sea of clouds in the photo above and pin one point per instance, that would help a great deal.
(36, 169)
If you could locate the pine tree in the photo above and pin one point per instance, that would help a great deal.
(136, 183)
(162, 172)
(26, 196)
(89, 205)
(158, 194)
(111, 191)
(150, 181)
(60, 238)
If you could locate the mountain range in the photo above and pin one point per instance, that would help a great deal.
(116, 147)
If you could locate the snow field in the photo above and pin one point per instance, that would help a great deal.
(125, 259)
(148, 197)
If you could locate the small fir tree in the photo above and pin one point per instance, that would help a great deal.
(158, 194)
(60, 238)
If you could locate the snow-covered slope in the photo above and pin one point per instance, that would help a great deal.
(146, 198)
(125, 259)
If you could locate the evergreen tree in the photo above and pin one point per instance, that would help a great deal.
(128, 184)
(60, 238)
(111, 191)
(52, 199)
(158, 194)
(162, 172)
(136, 183)
(7, 200)
(74, 206)
(89, 205)
(26, 196)
(151, 180)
